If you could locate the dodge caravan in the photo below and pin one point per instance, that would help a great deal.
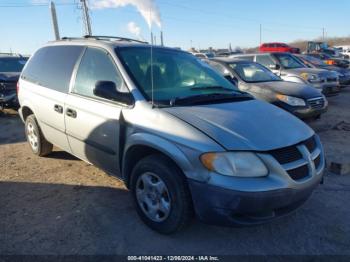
(183, 138)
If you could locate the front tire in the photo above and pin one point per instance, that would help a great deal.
(36, 140)
(161, 194)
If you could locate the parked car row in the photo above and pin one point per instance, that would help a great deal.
(299, 99)
(183, 138)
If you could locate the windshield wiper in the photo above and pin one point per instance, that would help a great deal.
(209, 98)
(212, 88)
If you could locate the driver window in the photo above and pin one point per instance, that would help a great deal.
(220, 68)
(96, 65)
(265, 60)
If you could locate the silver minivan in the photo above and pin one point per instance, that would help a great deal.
(183, 138)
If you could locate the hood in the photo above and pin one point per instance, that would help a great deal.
(333, 68)
(316, 71)
(9, 77)
(248, 125)
(290, 89)
(299, 71)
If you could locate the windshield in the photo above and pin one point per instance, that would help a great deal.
(176, 74)
(10, 64)
(288, 61)
(313, 60)
(253, 72)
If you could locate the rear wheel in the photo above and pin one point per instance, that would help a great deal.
(161, 194)
(37, 142)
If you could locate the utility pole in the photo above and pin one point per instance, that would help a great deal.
(323, 34)
(161, 38)
(260, 34)
(86, 17)
(54, 20)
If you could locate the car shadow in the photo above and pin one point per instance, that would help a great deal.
(11, 129)
(62, 155)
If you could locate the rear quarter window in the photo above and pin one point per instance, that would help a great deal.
(52, 66)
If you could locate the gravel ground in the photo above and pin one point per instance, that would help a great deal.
(60, 205)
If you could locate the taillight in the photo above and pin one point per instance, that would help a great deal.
(17, 87)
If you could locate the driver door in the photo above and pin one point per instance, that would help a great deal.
(92, 123)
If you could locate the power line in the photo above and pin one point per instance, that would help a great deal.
(34, 5)
(234, 17)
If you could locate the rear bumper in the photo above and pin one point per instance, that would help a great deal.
(219, 206)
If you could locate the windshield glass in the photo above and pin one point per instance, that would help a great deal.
(253, 72)
(314, 60)
(288, 61)
(176, 74)
(10, 64)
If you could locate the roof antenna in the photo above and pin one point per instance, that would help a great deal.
(152, 82)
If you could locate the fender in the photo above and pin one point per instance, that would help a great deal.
(162, 145)
(25, 103)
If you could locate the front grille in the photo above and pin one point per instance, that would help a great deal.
(286, 155)
(292, 155)
(317, 161)
(310, 144)
(299, 173)
(331, 79)
(316, 103)
(7, 85)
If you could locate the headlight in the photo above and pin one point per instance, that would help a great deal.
(237, 164)
(312, 78)
(290, 100)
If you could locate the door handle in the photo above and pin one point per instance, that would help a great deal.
(71, 113)
(58, 109)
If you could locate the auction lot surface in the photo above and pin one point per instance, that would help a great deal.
(60, 205)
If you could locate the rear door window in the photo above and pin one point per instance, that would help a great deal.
(52, 66)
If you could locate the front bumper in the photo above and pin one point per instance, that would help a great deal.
(218, 206)
(232, 201)
(8, 100)
(304, 112)
(327, 88)
(344, 81)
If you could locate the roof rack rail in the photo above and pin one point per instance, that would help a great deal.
(71, 38)
(102, 37)
(10, 54)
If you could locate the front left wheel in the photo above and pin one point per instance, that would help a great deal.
(161, 194)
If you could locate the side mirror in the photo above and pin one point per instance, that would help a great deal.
(232, 79)
(108, 90)
(275, 67)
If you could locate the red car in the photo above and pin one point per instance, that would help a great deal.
(278, 47)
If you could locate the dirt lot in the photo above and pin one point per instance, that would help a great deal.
(61, 205)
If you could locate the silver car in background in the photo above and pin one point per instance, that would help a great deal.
(183, 138)
(301, 100)
(291, 69)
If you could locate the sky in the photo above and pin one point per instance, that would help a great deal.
(25, 25)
